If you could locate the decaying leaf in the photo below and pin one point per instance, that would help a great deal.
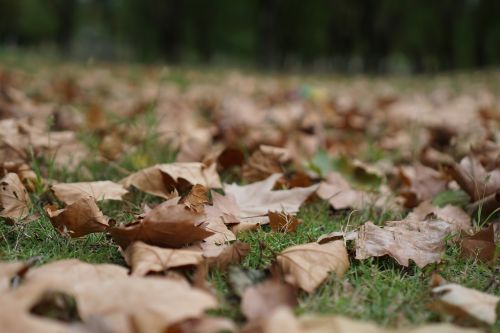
(481, 245)
(420, 183)
(256, 199)
(196, 198)
(101, 190)
(283, 320)
(167, 225)
(259, 301)
(223, 255)
(144, 258)
(162, 179)
(308, 265)
(474, 179)
(264, 162)
(14, 199)
(108, 293)
(283, 222)
(80, 218)
(465, 303)
(340, 194)
(419, 237)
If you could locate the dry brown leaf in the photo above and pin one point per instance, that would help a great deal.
(474, 179)
(144, 258)
(308, 265)
(224, 255)
(420, 183)
(14, 199)
(256, 199)
(80, 218)
(465, 303)
(108, 293)
(264, 162)
(259, 301)
(100, 190)
(340, 194)
(167, 225)
(419, 237)
(283, 320)
(481, 245)
(162, 179)
(196, 198)
(282, 222)
(201, 325)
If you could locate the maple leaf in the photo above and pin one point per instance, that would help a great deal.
(167, 225)
(308, 265)
(162, 179)
(100, 190)
(14, 198)
(465, 303)
(80, 218)
(252, 202)
(144, 258)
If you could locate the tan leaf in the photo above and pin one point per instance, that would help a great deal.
(308, 265)
(14, 199)
(256, 199)
(283, 222)
(223, 255)
(420, 183)
(474, 179)
(101, 190)
(264, 162)
(167, 225)
(340, 194)
(465, 303)
(143, 258)
(161, 179)
(481, 245)
(261, 300)
(283, 320)
(108, 293)
(419, 237)
(196, 198)
(80, 218)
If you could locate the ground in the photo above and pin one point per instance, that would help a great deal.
(375, 289)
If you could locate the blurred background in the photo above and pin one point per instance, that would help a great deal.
(353, 36)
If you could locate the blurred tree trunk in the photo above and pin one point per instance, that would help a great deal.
(266, 32)
(170, 26)
(65, 11)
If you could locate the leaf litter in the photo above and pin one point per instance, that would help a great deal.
(251, 152)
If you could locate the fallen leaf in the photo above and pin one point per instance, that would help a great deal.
(80, 218)
(162, 179)
(255, 200)
(223, 255)
(201, 325)
(282, 222)
(196, 198)
(420, 183)
(101, 190)
(474, 179)
(108, 293)
(167, 225)
(144, 258)
(465, 303)
(308, 265)
(419, 237)
(264, 162)
(481, 245)
(283, 320)
(14, 199)
(339, 193)
(259, 301)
